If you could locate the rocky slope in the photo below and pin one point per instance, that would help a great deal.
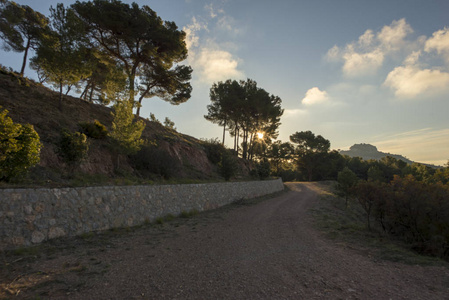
(30, 102)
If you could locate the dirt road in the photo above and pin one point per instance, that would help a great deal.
(267, 250)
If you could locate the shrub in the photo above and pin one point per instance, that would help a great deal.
(126, 131)
(263, 169)
(346, 181)
(155, 160)
(413, 211)
(19, 147)
(287, 175)
(214, 150)
(72, 147)
(228, 165)
(94, 130)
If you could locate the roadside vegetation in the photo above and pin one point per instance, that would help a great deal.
(346, 225)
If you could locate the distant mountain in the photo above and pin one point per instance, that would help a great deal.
(367, 152)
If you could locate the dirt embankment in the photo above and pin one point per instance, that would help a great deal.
(259, 249)
(32, 103)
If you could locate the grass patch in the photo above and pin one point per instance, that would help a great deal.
(348, 227)
(188, 214)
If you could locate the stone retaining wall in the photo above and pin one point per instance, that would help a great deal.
(31, 216)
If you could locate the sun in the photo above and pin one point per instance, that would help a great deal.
(260, 135)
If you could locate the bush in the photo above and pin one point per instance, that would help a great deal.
(228, 165)
(346, 181)
(72, 147)
(288, 175)
(413, 211)
(263, 169)
(19, 147)
(94, 130)
(156, 161)
(214, 150)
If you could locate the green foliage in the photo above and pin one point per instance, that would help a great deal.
(60, 57)
(279, 154)
(106, 83)
(413, 211)
(375, 174)
(125, 131)
(19, 147)
(263, 169)
(72, 147)
(368, 194)
(169, 123)
(154, 160)
(188, 214)
(154, 119)
(310, 151)
(141, 44)
(346, 182)
(214, 150)
(228, 165)
(171, 85)
(94, 130)
(21, 28)
(245, 109)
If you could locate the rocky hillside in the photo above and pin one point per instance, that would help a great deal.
(30, 102)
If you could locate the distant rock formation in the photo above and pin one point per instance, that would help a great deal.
(367, 152)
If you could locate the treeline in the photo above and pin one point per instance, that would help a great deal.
(106, 51)
(408, 202)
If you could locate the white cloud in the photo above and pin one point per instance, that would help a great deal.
(215, 65)
(410, 81)
(439, 42)
(290, 113)
(412, 59)
(228, 24)
(191, 31)
(210, 60)
(213, 11)
(366, 39)
(392, 37)
(315, 96)
(333, 54)
(366, 55)
(359, 64)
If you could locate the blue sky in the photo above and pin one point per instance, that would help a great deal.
(353, 71)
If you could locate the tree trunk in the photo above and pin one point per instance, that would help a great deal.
(238, 138)
(84, 93)
(91, 93)
(235, 140)
(310, 172)
(138, 107)
(224, 132)
(68, 89)
(60, 95)
(24, 63)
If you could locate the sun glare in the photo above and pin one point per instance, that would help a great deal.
(260, 135)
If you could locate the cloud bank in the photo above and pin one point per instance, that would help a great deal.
(366, 55)
(417, 76)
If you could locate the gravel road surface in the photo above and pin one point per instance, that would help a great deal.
(264, 250)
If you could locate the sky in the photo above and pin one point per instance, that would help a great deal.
(353, 71)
